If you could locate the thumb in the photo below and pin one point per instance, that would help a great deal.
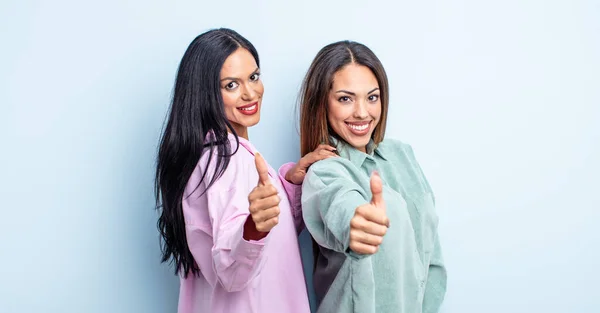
(377, 191)
(262, 169)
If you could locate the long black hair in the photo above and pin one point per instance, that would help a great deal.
(196, 110)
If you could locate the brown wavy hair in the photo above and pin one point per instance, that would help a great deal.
(314, 128)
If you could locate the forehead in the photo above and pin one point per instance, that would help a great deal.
(239, 63)
(354, 77)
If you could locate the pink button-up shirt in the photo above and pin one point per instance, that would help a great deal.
(240, 276)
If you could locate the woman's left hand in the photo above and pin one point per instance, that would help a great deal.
(297, 173)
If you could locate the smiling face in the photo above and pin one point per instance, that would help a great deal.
(242, 91)
(354, 105)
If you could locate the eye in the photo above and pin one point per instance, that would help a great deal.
(254, 77)
(231, 85)
(373, 98)
(344, 99)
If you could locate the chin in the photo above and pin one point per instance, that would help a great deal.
(251, 122)
(356, 143)
(359, 143)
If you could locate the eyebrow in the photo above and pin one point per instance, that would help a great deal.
(235, 78)
(353, 94)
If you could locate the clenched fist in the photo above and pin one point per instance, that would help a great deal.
(370, 222)
(264, 201)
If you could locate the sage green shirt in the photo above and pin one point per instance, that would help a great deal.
(407, 274)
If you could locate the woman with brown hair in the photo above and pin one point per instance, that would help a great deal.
(371, 211)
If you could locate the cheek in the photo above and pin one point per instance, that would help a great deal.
(332, 122)
(331, 116)
(229, 98)
(376, 111)
(335, 113)
(336, 116)
(260, 88)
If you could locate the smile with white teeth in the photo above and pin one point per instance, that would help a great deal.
(249, 108)
(359, 127)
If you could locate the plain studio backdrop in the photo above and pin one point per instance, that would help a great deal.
(500, 101)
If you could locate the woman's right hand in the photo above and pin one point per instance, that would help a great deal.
(370, 221)
(298, 172)
(264, 202)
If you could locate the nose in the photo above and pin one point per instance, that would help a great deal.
(248, 92)
(360, 110)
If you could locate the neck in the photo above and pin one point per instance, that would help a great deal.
(241, 131)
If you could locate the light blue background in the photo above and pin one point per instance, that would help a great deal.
(499, 99)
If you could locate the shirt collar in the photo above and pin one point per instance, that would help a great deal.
(354, 155)
(243, 142)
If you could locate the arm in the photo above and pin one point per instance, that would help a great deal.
(329, 199)
(292, 175)
(234, 260)
(294, 193)
(435, 289)
(223, 235)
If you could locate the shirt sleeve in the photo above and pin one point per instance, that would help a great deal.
(294, 194)
(222, 212)
(329, 199)
(435, 288)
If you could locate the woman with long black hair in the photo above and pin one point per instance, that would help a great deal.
(228, 222)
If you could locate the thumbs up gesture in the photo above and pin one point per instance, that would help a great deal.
(370, 222)
(263, 199)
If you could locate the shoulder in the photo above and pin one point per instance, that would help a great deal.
(238, 161)
(332, 167)
(336, 172)
(395, 146)
(402, 157)
(397, 151)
